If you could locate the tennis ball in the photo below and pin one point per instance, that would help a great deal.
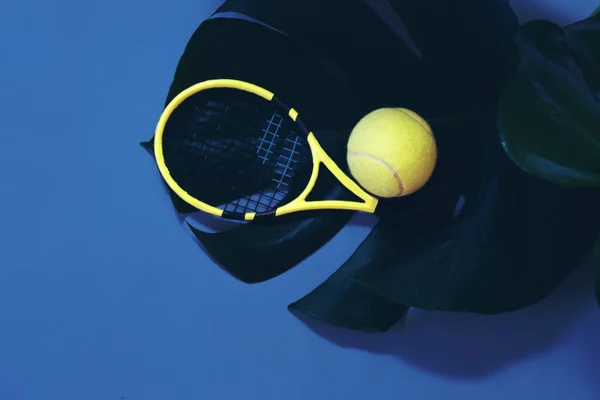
(391, 152)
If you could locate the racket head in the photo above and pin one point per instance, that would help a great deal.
(232, 149)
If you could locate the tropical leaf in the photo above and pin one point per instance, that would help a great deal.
(250, 57)
(354, 71)
(419, 54)
(549, 111)
(321, 79)
(515, 240)
(256, 252)
(344, 302)
(464, 45)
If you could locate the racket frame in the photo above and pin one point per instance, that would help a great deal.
(319, 156)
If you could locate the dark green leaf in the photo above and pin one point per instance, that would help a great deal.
(464, 45)
(595, 12)
(336, 73)
(405, 223)
(249, 57)
(294, 73)
(370, 55)
(341, 301)
(255, 252)
(425, 58)
(548, 113)
(515, 240)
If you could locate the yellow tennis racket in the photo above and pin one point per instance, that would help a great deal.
(232, 149)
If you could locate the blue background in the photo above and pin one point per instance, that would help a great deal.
(104, 296)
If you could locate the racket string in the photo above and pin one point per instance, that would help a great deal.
(282, 162)
(234, 152)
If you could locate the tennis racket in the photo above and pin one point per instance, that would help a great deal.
(234, 150)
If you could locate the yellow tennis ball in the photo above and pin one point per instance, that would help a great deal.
(391, 152)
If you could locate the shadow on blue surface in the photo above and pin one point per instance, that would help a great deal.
(469, 346)
(591, 359)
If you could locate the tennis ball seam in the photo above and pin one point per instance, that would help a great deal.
(416, 118)
(385, 164)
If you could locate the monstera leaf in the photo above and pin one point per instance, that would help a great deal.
(255, 252)
(311, 54)
(549, 112)
(514, 240)
(435, 57)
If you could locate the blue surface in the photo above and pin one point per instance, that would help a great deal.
(104, 296)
